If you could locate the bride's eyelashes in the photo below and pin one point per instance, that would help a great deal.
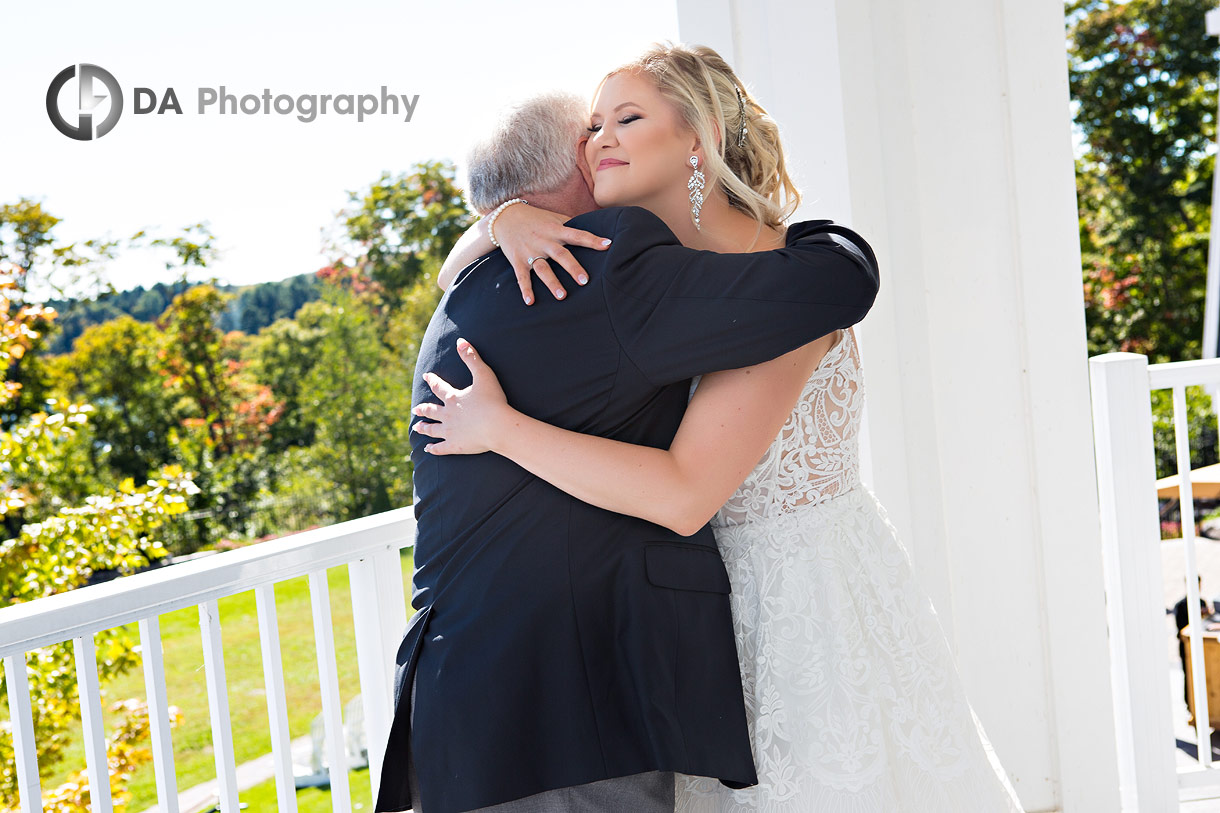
(625, 120)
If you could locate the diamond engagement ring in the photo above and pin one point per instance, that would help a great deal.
(532, 260)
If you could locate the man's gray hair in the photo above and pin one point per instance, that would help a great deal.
(533, 149)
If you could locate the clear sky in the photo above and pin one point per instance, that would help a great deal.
(269, 184)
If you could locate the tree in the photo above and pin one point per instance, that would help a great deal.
(115, 367)
(358, 397)
(226, 415)
(109, 532)
(403, 228)
(281, 357)
(1143, 82)
(192, 354)
(27, 243)
(59, 547)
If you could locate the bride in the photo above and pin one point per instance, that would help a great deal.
(853, 700)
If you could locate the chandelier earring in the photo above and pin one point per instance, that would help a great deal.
(695, 185)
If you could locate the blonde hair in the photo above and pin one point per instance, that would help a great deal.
(703, 88)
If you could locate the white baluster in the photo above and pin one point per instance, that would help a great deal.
(1131, 558)
(392, 604)
(21, 712)
(375, 690)
(158, 714)
(218, 705)
(90, 696)
(1181, 431)
(277, 704)
(328, 676)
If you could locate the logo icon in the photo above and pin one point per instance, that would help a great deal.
(88, 100)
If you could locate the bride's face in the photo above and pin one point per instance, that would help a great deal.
(639, 148)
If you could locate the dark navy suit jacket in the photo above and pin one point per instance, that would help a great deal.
(557, 643)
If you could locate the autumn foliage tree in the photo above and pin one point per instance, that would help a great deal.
(226, 415)
(58, 548)
(398, 231)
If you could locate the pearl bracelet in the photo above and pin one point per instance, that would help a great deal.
(491, 218)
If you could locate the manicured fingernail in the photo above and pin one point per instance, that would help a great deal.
(529, 300)
(559, 293)
(606, 242)
(583, 279)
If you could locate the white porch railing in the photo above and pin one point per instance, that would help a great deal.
(369, 546)
(1135, 605)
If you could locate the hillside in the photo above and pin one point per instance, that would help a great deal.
(253, 307)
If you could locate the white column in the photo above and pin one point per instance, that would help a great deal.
(940, 130)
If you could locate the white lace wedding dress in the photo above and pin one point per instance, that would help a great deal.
(853, 699)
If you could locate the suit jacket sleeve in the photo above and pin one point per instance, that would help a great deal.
(678, 312)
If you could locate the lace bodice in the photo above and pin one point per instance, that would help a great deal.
(816, 454)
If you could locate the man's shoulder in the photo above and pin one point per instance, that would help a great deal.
(615, 220)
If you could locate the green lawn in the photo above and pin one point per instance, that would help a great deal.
(262, 799)
(187, 689)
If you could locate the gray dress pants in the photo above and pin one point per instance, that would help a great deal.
(651, 792)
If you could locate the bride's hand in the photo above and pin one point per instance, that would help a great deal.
(467, 421)
(529, 231)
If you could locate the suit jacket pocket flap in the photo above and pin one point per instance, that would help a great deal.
(686, 567)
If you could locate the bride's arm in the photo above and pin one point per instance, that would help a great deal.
(732, 419)
(472, 245)
(524, 231)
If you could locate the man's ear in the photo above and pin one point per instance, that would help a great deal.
(583, 164)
